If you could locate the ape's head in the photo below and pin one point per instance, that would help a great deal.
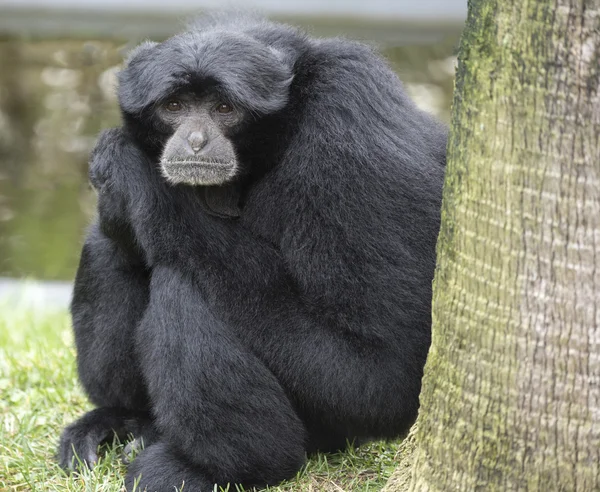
(190, 100)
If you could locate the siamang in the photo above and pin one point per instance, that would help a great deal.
(257, 285)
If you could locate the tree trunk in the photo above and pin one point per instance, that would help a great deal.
(511, 393)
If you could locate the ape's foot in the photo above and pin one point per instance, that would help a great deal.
(157, 469)
(138, 444)
(80, 441)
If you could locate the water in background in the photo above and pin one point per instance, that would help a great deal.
(57, 94)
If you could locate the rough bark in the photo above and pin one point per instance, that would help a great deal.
(511, 393)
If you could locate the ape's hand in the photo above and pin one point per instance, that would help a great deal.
(111, 161)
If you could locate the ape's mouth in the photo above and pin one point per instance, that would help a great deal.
(198, 162)
(201, 172)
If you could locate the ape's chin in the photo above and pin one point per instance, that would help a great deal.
(198, 172)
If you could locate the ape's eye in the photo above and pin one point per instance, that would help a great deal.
(173, 106)
(224, 108)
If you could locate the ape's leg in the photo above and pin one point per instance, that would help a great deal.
(344, 386)
(222, 416)
(324, 440)
(110, 295)
(352, 373)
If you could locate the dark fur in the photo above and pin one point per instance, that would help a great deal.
(300, 325)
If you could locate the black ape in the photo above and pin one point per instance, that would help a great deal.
(258, 284)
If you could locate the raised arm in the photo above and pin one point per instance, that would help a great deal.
(109, 299)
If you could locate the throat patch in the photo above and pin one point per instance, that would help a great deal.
(222, 201)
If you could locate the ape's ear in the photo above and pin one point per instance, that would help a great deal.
(143, 79)
(141, 49)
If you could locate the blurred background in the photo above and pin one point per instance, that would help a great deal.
(58, 60)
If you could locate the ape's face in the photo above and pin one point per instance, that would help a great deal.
(199, 151)
(188, 98)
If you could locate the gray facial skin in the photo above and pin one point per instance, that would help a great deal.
(198, 152)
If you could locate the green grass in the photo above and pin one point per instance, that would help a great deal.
(39, 395)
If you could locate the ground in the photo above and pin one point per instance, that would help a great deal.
(39, 395)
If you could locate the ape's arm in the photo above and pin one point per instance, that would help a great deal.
(109, 298)
(215, 402)
(111, 291)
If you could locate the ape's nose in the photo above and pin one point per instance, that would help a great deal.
(197, 141)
